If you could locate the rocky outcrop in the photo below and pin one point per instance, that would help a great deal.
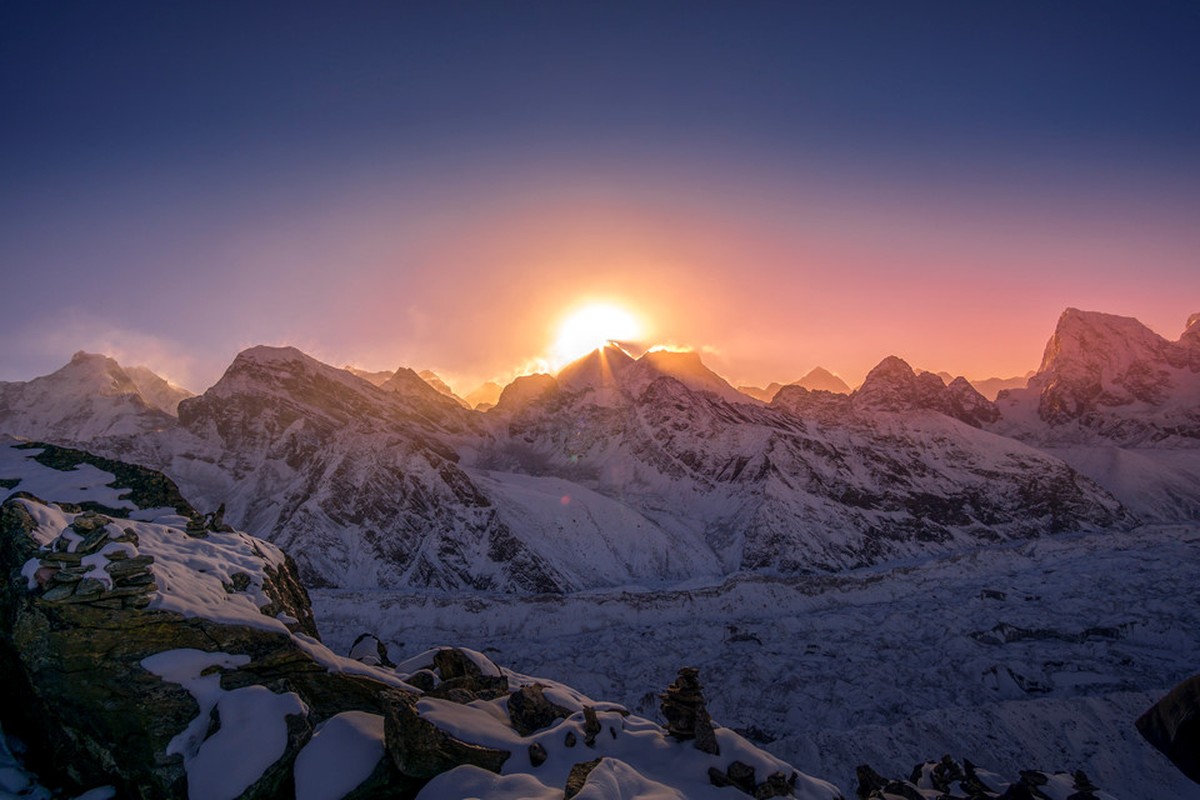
(141, 655)
(368, 649)
(138, 656)
(420, 750)
(894, 386)
(530, 711)
(143, 488)
(169, 660)
(1173, 726)
(578, 777)
(947, 779)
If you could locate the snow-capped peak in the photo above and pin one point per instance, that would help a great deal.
(598, 369)
(91, 396)
(614, 375)
(443, 388)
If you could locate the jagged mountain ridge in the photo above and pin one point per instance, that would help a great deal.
(1121, 404)
(815, 481)
(618, 470)
(818, 378)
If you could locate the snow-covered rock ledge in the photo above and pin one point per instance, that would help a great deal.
(168, 663)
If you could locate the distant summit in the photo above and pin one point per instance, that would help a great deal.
(613, 374)
(431, 377)
(92, 396)
(378, 378)
(817, 379)
(484, 396)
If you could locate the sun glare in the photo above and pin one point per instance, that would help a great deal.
(591, 327)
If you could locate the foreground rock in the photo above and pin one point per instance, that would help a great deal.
(1173, 726)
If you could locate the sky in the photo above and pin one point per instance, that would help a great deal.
(777, 185)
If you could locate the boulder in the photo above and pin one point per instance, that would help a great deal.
(1173, 726)
(578, 777)
(421, 750)
(529, 710)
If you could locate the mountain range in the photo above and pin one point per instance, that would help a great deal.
(647, 471)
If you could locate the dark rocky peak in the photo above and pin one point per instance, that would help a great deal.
(1189, 344)
(969, 405)
(1090, 341)
(524, 391)
(894, 386)
(890, 386)
(1098, 360)
(811, 403)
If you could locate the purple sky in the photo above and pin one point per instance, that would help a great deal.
(778, 184)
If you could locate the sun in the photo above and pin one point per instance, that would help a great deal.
(592, 327)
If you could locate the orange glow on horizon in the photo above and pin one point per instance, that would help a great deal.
(591, 327)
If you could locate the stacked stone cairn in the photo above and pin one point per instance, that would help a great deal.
(69, 571)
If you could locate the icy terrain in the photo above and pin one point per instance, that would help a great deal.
(1031, 656)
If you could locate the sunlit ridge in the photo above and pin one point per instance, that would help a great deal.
(592, 327)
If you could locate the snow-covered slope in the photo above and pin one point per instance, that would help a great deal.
(358, 480)
(194, 670)
(1034, 655)
(90, 398)
(157, 391)
(432, 378)
(816, 481)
